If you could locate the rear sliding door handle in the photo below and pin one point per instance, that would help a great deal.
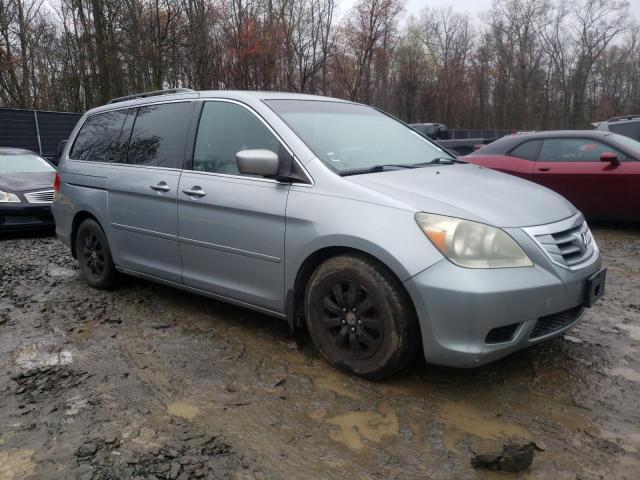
(161, 187)
(195, 192)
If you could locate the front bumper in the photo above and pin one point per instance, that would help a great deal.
(458, 308)
(24, 216)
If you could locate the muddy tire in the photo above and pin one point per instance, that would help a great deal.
(359, 318)
(94, 256)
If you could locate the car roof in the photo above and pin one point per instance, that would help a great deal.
(246, 96)
(620, 118)
(15, 151)
(562, 134)
(508, 142)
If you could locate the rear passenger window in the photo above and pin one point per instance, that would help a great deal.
(98, 138)
(528, 150)
(159, 135)
(225, 129)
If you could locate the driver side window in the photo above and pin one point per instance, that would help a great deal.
(225, 129)
(575, 150)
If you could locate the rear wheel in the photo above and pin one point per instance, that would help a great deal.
(94, 256)
(358, 317)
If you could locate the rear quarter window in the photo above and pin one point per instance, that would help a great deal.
(98, 138)
(527, 150)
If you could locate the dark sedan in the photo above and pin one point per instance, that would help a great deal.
(599, 172)
(26, 190)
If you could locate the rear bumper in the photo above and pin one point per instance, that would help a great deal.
(24, 216)
(458, 308)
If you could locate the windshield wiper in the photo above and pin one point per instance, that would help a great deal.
(385, 166)
(440, 161)
(378, 168)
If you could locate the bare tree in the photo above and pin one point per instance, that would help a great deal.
(528, 64)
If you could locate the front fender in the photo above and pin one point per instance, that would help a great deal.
(316, 222)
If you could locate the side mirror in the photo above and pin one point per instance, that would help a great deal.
(257, 162)
(609, 157)
(61, 145)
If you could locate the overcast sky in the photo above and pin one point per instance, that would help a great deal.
(473, 7)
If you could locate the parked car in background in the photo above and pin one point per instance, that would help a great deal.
(464, 146)
(435, 131)
(328, 214)
(458, 146)
(26, 190)
(598, 171)
(628, 125)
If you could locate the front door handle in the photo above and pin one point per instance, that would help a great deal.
(161, 187)
(195, 192)
(544, 169)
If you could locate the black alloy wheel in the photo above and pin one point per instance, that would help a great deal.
(94, 255)
(359, 317)
(352, 320)
(93, 251)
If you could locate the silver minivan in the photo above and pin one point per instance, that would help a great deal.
(329, 214)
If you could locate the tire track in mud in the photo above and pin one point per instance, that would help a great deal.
(226, 410)
(139, 356)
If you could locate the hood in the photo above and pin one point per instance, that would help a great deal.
(23, 182)
(470, 192)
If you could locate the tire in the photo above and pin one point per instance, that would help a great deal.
(94, 256)
(359, 318)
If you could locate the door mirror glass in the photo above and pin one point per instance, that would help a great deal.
(257, 162)
(609, 157)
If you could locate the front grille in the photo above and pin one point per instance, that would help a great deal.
(502, 334)
(555, 322)
(568, 243)
(45, 196)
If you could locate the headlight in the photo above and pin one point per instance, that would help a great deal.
(6, 197)
(471, 244)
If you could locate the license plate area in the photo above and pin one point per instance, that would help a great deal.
(595, 287)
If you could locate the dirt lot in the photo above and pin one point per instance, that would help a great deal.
(149, 382)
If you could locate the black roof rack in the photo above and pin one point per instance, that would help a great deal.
(168, 91)
(624, 117)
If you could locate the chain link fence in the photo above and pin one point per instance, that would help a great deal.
(459, 134)
(36, 130)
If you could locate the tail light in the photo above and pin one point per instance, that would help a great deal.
(56, 183)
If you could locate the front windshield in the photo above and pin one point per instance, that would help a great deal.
(23, 163)
(629, 143)
(351, 138)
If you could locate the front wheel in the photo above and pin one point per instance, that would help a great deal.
(358, 317)
(94, 256)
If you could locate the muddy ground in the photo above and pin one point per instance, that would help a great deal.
(152, 383)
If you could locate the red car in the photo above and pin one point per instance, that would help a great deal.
(599, 172)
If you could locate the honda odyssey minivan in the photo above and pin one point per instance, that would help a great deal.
(329, 214)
